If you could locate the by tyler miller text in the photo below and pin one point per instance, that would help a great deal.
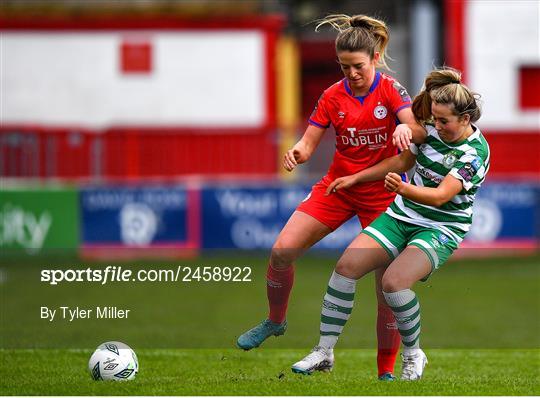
(78, 313)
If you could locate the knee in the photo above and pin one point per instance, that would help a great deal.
(283, 255)
(346, 268)
(392, 282)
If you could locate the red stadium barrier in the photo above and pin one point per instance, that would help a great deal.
(39, 152)
(133, 153)
(514, 154)
(155, 152)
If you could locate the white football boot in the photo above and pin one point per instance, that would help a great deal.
(320, 358)
(413, 365)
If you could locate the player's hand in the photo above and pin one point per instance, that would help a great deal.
(340, 183)
(393, 182)
(290, 159)
(402, 137)
(293, 158)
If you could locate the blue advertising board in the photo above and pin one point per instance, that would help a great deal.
(245, 217)
(505, 211)
(252, 217)
(134, 216)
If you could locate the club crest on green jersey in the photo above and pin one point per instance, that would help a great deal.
(449, 159)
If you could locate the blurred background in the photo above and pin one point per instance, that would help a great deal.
(156, 129)
(161, 124)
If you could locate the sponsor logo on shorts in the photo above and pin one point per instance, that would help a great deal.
(443, 239)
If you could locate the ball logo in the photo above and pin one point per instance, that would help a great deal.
(124, 374)
(110, 366)
(112, 348)
(96, 375)
(380, 112)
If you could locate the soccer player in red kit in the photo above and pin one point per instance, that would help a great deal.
(364, 108)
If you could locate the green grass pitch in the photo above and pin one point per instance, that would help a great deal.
(266, 372)
(480, 330)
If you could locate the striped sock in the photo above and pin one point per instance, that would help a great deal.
(336, 309)
(407, 312)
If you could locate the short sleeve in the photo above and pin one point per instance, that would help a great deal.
(320, 116)
(470, 170)
(398, 97)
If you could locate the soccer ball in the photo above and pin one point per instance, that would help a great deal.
(113, 361)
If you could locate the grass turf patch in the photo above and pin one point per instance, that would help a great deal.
(267, 372)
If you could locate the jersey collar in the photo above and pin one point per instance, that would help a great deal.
(371, 88)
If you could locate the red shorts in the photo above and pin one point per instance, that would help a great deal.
(339, 207)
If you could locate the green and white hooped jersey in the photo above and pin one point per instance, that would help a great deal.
(468, 161)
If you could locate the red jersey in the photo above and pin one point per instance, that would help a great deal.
(364, 127)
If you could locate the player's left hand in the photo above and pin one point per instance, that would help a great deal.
(402, 137)
(340, 183)
(393, 182)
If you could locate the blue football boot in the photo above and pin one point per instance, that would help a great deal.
(254, 337)
(387, 377)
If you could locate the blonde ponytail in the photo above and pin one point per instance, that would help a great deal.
(444, 86)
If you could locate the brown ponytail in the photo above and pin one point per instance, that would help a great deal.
(359, 33)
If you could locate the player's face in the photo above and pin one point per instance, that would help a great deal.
(451, 128)
(359, 69)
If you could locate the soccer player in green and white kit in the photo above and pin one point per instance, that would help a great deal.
(422, 227)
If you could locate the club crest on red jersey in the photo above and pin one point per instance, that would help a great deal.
(380, 112)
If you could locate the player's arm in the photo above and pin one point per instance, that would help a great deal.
(408, 131)
(304, 148)
(447, 189)
(398, 163)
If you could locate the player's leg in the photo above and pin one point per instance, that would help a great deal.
(427, 250)
(388, 338)
(300, 233)
(412, 265)
(363, 255)
(316, 217)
